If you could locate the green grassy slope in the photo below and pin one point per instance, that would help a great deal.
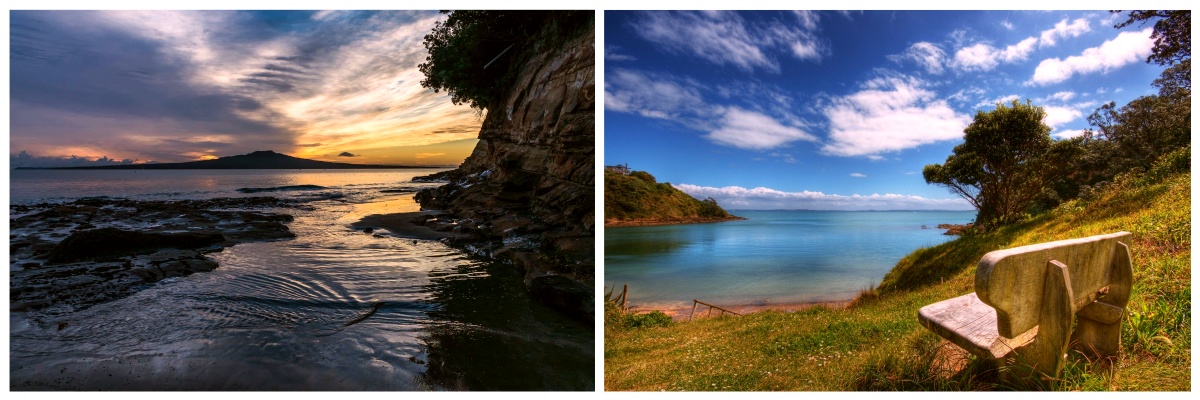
(638, 197)
(877, 344)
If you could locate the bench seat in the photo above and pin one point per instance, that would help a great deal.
(969, 323)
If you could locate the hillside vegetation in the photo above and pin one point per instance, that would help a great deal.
(877, 344)
(638, 199)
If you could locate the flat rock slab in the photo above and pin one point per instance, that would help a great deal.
(411, 225)
(971, 324)
(93, 250)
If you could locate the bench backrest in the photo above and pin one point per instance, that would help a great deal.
(1012, 280)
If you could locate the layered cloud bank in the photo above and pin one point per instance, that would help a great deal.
(761, 198)
(184, 85)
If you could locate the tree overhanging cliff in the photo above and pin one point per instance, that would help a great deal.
(526, 193)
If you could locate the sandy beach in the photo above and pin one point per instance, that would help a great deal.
(681, 312)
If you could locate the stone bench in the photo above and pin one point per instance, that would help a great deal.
(1026, 299)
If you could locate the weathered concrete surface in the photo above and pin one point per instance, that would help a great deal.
(526, 194)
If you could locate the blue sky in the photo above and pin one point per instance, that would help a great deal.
(842, 110)
(170, 86)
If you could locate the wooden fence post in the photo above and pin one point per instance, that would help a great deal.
(624, 296)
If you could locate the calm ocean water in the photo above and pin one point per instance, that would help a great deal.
(36, 186)
(773, 256)
(275, 315)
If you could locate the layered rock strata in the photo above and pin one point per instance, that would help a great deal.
(526, 194)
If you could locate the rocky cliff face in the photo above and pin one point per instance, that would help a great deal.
(526, 194)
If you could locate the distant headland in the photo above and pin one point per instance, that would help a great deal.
(635, 198)
(264, 159)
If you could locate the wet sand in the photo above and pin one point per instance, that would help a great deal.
(680, 312)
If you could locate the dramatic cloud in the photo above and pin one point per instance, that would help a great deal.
(889, 114)
(725, 38)
(925, 54)
(183, 85)
(983, 57)
(751, 130)
(761, 198)
(1126, 48)
(1062, 30)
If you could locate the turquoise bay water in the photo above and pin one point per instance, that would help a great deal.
(773, 256)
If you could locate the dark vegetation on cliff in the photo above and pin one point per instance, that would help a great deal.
(637, 198)
(475, 55)
(526, 194)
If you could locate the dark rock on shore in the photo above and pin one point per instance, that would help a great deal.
(113, 242)
(955, 229)
(526, 194)
(95, 250)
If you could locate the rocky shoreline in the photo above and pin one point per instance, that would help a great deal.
(955, 229)
(93, 250)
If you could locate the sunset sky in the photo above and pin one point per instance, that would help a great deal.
(843, 109)
(172, 86)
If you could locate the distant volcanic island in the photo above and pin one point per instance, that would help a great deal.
(265, 159)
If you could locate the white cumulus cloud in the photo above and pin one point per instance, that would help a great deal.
(753, 130)
(1002, 100)
(985, 57)
(1056, 116)
(1062, 30)
(1068, 133)
(761, 198)
(1126, 48)
(925, 54)
(889, 114)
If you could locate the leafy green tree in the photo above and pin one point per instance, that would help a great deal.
(474, 55)
(1005, 164)
(1143, 130)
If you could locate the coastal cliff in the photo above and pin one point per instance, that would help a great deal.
(526, 193)
(636, 198)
